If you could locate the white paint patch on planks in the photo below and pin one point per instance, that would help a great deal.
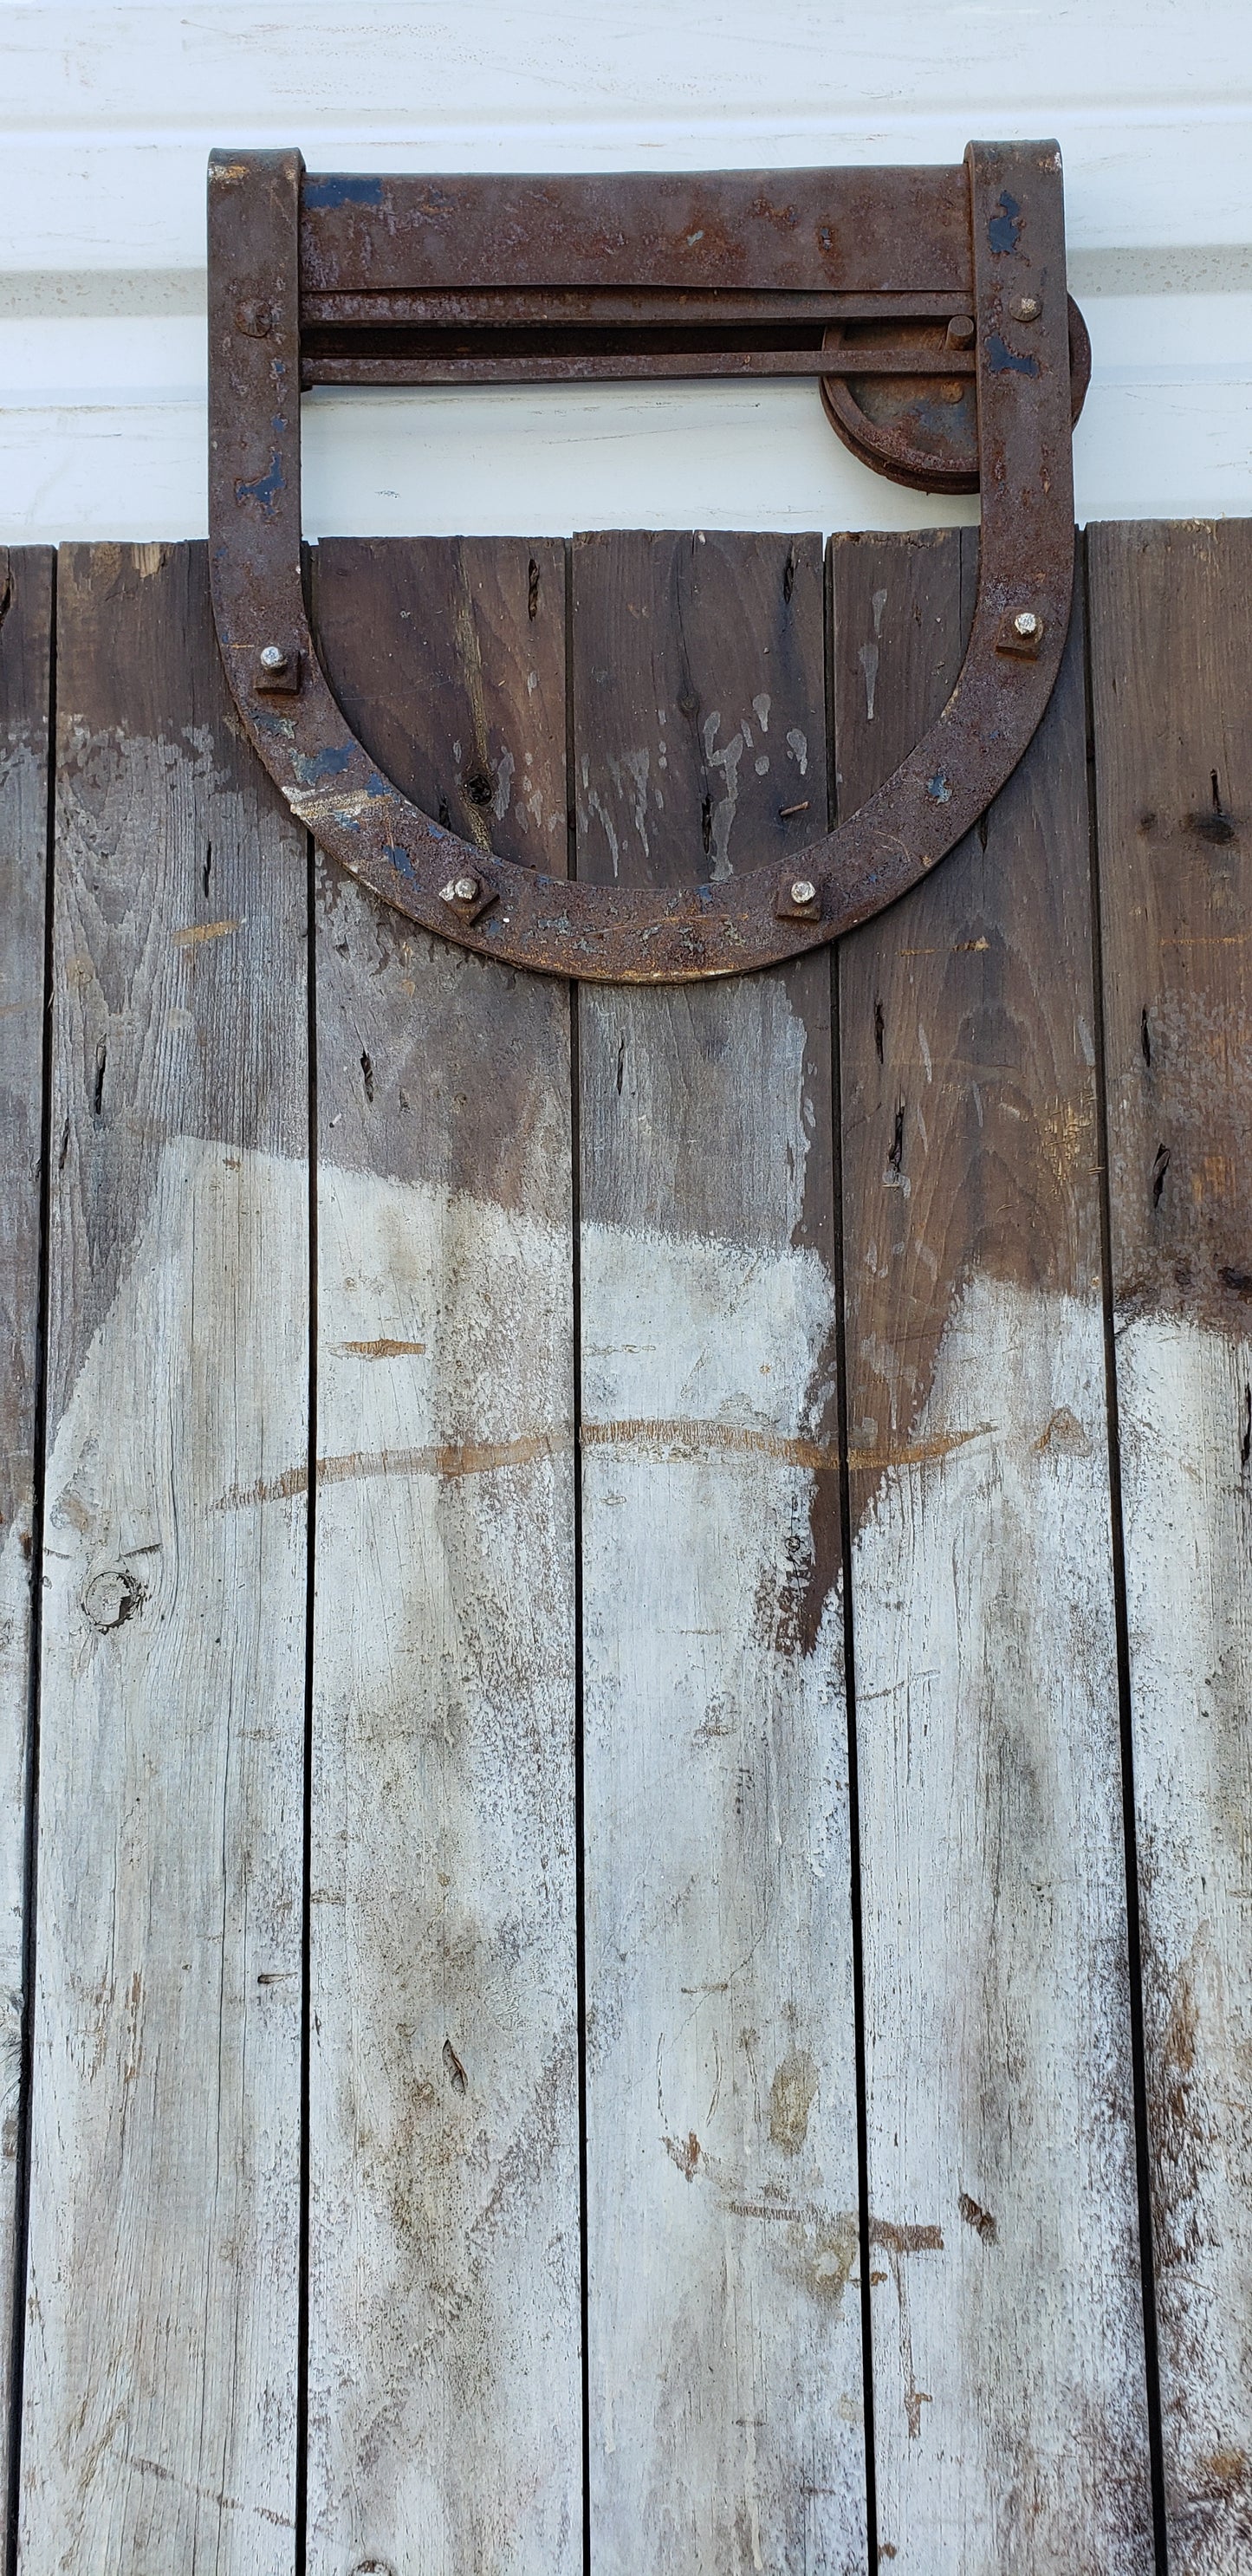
(725, 2357)
(1184, 1409)
(160, 2406)
(1010, 2408)
(15, 1645)
(23, 829)
(445, 2383)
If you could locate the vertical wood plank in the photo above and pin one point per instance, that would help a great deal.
(1174, 772)
(1010, 2412)
(161, 2339)
(726, 2391)
(445, 2388)
(25, 674)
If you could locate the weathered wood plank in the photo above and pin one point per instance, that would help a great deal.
(1174, 771)
(161, 2343)
(445, 2413)
(1010, 2412)
(726, 2389)
(25, 673)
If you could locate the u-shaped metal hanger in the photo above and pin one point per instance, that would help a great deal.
(931, 306)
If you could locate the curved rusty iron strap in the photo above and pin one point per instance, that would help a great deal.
(612, 934)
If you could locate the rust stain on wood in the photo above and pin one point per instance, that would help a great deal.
(385, 1348)
(200, 930)
(442, 1458)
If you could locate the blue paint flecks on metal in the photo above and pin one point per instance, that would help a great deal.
(312, 767)
(1003, 229)
(376, 786)
(938, 788)
(1004, 361)
(324, 194)
(400, 861)
(267, 486)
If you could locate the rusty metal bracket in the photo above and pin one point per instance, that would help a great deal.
(930, 304)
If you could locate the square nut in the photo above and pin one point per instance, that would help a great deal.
(276, 669)
(1021, 632)
(467, 896)
(798, 899)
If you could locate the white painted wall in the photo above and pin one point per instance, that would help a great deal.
(107, 113)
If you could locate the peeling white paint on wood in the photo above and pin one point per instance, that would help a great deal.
(724, 2332)
(160, 2378)
(725, 2344)
(445, 2391)
(23, 825)
(1183, 1405)
(1010, 2423)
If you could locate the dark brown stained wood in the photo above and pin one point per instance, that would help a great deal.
(1010, 2412)
(724, 2344)
(160, 2382)
(1169, 620)
(25, 669)
(445, 2415)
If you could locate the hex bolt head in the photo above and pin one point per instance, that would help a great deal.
(1026, 308)
(1026, 624)
(961, 331)
(803, 892)
(273, 657)
(460, 890)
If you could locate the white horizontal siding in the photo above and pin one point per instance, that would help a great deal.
(107, 114)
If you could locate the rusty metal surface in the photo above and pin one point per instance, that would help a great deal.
(923, 436)
(842, 229)
(982, 246)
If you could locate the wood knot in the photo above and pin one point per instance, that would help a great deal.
(111, 1598)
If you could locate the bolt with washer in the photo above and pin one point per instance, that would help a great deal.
(461, 890)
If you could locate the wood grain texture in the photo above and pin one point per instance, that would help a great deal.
(726, 2391)
(25, 675)
(445, 2416)
(1010, 2419)
(1174, 772)
(161, 2339)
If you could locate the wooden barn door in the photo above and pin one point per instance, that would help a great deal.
(625, 1764)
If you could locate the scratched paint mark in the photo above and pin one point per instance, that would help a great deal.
(1009, 362)
(896, 2242)
(1004, 226)
(312, 767)
(266, 488)
(207, 2494)
(324, 195)
(382, 1349)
